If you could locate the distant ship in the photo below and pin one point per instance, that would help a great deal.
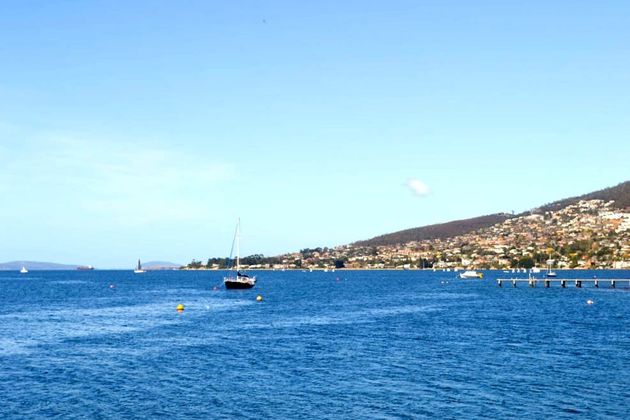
(241, 280)
(23, 270)
(139, 269)
(85, 268)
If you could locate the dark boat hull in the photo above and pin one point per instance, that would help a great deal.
(232, 284)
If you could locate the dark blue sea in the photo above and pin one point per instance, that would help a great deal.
(345, 344)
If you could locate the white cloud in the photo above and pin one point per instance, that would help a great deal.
(418, 187)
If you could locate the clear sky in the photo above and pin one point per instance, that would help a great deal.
(145, 128)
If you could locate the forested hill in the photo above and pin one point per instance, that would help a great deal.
(437, 231)
(620, 194)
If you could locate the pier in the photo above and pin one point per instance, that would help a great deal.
(546, 282)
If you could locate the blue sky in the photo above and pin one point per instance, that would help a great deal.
(144, 129)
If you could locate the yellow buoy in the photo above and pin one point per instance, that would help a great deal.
(259, 298)
(180, 308)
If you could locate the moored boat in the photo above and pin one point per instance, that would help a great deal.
(240, 280)
(470, 274)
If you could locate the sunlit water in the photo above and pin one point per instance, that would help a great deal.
(345, 344)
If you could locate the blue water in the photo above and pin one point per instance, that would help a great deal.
(355, 344)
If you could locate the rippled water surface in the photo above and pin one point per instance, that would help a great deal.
(345, 344)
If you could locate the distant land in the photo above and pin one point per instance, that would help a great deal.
(35, 265)
(437, 231)
(586, 231)
(50, 266)
(160, 265)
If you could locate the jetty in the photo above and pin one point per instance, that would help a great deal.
(546, 282)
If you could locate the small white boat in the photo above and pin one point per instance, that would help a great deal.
(139, 269)
(535, 270)
(551, 274)
(470, 274)
(23, 270)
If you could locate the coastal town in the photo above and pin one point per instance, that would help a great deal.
(590, 234)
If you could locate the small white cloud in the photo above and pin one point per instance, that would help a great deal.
(418, 187)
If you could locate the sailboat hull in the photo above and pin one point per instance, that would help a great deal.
(239, 283)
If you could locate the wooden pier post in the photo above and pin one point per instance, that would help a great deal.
(533, 282)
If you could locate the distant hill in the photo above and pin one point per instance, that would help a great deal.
(160, 265)
(438, 231)
(620, 194)
(35, 265)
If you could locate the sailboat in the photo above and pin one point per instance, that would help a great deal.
(240, 280)
(139, 269)
(23, 270)
(550, 273)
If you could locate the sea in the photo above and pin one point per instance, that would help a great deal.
(319, 345)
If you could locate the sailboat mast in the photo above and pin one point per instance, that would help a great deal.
(238, 245)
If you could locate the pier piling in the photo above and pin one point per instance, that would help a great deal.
(547, 282)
